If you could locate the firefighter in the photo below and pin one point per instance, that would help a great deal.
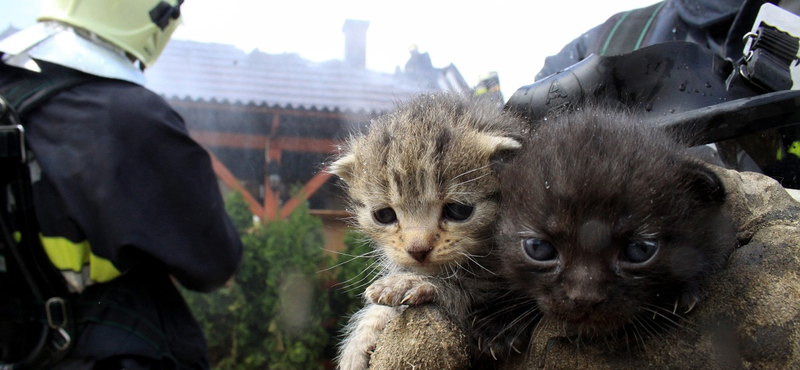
(126, 201)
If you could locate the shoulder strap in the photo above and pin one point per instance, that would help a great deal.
(33, 89)
(630, 29)
(24, 91)
(45, 306)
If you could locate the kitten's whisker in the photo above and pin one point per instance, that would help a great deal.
(511, 307)
(671, 320)
(367, 255)
(369, 269)
(638, 324)
(469, 172)
(475, 262)
(366, 272)
(469, 181)
(450, 271)
(360, 284)
(656, 314)
(528, 319)
(340, 264)
(647, 325)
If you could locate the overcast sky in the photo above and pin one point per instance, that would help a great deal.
(509, 37)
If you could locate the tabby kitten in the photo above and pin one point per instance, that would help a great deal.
(421, 187)
(607, 229)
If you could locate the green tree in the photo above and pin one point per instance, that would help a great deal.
(271, 316)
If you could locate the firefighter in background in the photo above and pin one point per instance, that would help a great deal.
(124, 197)
(718, 25)
(489, 87)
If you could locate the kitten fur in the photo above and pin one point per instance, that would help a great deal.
(607, 229)
(421, 187)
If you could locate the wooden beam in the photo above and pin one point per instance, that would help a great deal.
(228, 178)
(308, 190)
(299, 144)
(271, 204)
(251, 141)
(229, 140)
(271, 208)
(276, 124)
(274, 154)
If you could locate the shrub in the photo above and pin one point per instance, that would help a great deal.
(271, 316)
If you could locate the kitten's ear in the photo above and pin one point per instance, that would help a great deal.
(705, 184)
(499, 148)
(495, 145)
(343, 167)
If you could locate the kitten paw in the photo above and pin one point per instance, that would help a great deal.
(688, 299)
(498, 343)
(396, 290)
(355, 361)
(361, 336)
(502, 326)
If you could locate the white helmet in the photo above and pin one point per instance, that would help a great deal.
(140, 27)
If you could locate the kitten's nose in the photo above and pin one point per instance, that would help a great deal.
(588, 301)
(584, 284)
(419, 252)
(587, 296)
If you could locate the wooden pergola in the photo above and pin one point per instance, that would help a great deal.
(274, 131)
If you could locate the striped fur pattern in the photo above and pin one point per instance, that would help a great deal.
(421, 186)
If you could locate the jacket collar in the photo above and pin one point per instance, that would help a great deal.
(61, 44)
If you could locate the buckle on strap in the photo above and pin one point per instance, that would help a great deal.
(64, 342)
(12, 142)
(56, 311)
(12, 134)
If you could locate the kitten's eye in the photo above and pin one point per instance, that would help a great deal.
(457, 212)
(639, 251)
(384, 216)
(539, 250)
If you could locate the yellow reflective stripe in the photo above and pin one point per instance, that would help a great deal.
(66, 255)
(101, 270)
(795, 148)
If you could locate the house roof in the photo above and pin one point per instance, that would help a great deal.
(197, 71)
(190, 70)
(7, 32)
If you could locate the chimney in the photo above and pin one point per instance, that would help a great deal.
(355, 43)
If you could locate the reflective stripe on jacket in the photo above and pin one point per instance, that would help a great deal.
(77, 263)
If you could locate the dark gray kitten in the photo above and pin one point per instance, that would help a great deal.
(607, 228)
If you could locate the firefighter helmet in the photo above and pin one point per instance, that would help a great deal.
(140, 27)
